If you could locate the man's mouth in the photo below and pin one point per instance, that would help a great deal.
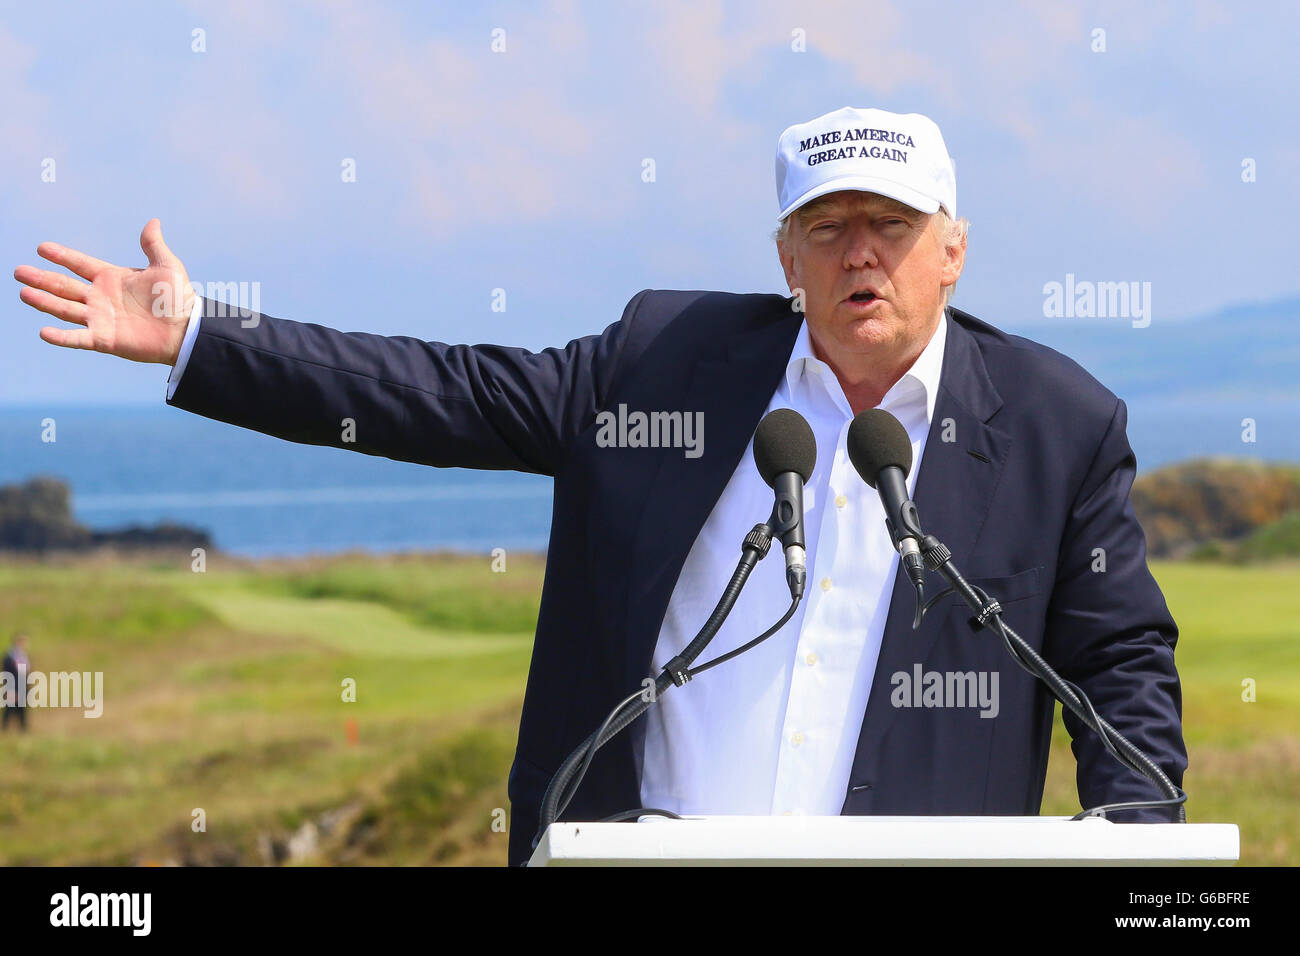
(864, 299)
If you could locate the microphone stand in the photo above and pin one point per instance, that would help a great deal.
(677, 672)
(988, 614)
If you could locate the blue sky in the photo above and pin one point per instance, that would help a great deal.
(521, 170)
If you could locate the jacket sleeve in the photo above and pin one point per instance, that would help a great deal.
(1110, 632)
(468, 406)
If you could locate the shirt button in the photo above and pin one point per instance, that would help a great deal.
(841, 501)
(786, 813)
(796, 739)
(826, 584)
(811, 659)
(816, 369)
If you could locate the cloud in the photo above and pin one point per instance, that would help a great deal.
(1029, 75)
(467, 135)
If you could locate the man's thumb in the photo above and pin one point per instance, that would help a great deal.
(151, 241)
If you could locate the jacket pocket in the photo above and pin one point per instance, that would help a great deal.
(1010, 587)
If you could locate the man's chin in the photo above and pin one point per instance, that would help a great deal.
(867, 331)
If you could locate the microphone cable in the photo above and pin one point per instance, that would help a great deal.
(567, 779)
(606, 733)
(754, 643)
(989, 615)
(785, 454)
(562, 787)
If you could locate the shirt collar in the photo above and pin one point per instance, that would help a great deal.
(924, 373)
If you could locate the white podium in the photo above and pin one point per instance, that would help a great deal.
(885, 841)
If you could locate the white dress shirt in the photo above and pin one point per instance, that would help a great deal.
(774, 730)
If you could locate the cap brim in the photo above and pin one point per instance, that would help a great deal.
(870, 184)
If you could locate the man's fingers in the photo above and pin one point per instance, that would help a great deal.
(52, 305)
(56, 283)
(83, 265)
(69, 338)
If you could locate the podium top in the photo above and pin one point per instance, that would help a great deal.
(885, 840)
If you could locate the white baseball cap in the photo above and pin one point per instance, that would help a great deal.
(899, 155)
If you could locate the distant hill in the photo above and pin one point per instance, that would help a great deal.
(1220, 508)
(36, 516)
(1244, 353)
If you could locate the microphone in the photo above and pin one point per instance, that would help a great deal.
(881, 452)
(785, 452)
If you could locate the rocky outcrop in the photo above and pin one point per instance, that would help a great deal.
(36, 517)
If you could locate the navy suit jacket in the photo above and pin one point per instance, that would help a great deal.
(1026, 479)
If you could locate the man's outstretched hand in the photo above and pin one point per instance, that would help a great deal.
(136, 314)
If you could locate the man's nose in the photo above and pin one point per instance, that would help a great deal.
(860, 248)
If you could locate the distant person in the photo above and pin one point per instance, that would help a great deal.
(17, 666)
(1023, 471)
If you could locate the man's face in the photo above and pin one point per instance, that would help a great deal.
(872, 271)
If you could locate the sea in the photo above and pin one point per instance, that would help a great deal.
(260, 496)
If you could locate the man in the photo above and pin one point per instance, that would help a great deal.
(15, 669)
(1023, 471)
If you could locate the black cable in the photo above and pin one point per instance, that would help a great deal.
(756, 641)
(920, 604)
(1132, 757)
(1138, 805)
(1072, 696)
(933, 601)
(632, 707)
(591, 751)
(562, 787)
(640, 812)
(989, 615)
(603, 734)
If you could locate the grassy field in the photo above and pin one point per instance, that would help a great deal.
(224, 697)
(1235, 623)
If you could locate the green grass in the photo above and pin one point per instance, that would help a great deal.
(223, 691)
(361, 628)
(1235, 623)
(447, 592)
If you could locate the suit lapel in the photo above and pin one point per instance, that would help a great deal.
(953, 493)
(732, 386)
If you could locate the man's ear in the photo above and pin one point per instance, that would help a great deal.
(954, 262)
(783, 251)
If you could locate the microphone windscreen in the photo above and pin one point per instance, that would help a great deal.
(877, 440)
(784, 442)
